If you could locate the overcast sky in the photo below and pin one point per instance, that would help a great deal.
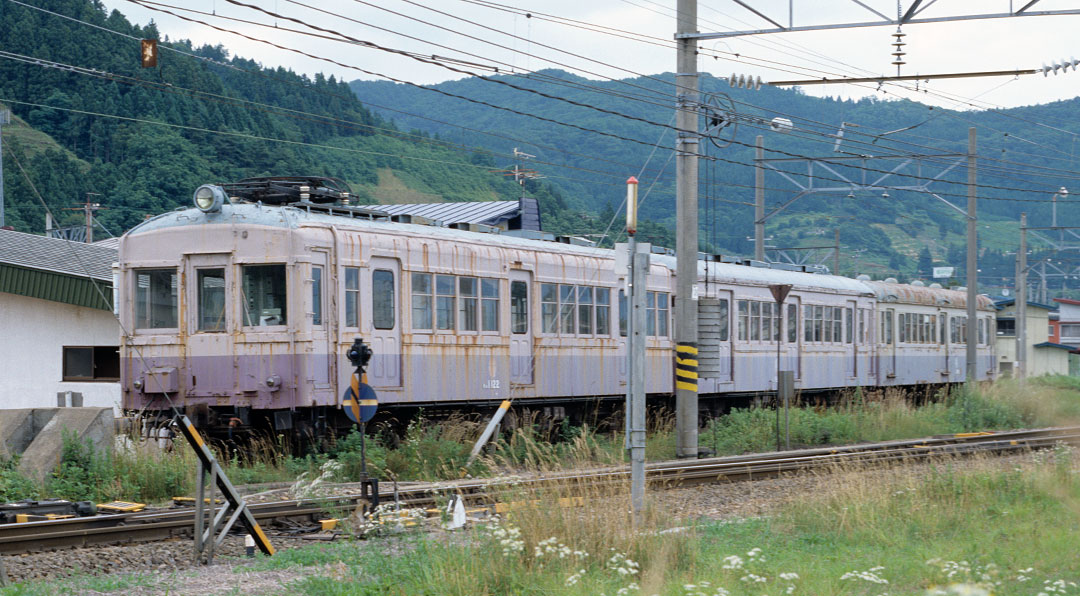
(1001, 44)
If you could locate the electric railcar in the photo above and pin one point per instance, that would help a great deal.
(242, 314)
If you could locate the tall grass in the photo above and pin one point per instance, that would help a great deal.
(975, 529)
(892, 414)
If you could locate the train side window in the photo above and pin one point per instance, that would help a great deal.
(887, 327)
(650, 313)
(585, 310)
(421, 301)
(941, 328)
(743, 307)
(902, 323)
(316, 295)
(211, 284)
(849, 325)
(837, 324)
(755, 321)
(808, 323)
(352, 297)
(861, 337)
(467, 289)
(982, 331)
(819, 312)
(445, 296)
(603, 312)
(662, 306)
(723, 319)
(567, 309)
(489, 304)
(519, 307)
(264, 295)
(549, 307)
(624, 314)
(766, 320)
(792, 323)
(156, 298)
(382, 299)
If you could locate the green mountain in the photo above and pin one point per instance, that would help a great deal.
(880, 235)
(144, 138)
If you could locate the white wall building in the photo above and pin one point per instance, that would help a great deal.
(57, 333)
(1043, 356)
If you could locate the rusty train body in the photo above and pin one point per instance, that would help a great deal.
(243, 315)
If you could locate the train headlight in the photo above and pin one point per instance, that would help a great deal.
(273, 382)
(137, 384)
(209, 198)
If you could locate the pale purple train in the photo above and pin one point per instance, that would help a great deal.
(243, 315)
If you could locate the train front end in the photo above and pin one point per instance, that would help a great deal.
(218, 318)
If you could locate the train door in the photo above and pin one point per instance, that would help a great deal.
(319, 349)
(851, 356)
(792, 308)
(943, 341)
(384, 279)
(888, 343)
(210, 316)
(522, 359)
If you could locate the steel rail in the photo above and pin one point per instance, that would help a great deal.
(176, 523)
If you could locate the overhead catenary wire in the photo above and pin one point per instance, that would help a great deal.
(489, 104)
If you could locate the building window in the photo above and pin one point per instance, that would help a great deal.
(155, 298)
(91, 363)
(211, 285)
(421, 301)
(549, 307)
(264, 295)
(352, 297)
(519, 307)
(1070, 331)
(316, 295)
(382, 299)
(585, 310)
(467, 289)
(489, 304)
(603, 312)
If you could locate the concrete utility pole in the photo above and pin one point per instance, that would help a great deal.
(5, 117)
(972, 264)
(759, 199)
(686, 240)
(1021, 302)
(638, 262)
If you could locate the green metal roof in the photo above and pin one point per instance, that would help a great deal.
(48, 285)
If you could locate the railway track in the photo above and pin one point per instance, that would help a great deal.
(175, 523)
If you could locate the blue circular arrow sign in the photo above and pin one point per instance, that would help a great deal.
(360, 408)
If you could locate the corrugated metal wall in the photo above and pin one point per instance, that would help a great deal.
(53, 286)
(709, 335)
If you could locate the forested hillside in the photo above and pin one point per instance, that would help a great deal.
(145, 138)
(1023, 149)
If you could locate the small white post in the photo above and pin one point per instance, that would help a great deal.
(503, 408)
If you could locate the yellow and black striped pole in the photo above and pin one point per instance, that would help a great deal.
(686, 367)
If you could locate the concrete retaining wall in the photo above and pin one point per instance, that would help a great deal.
(37, 435)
